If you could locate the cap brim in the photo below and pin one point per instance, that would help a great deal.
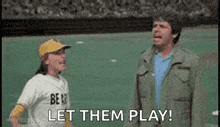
(66, 47)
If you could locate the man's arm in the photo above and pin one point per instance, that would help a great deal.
(134, 105)
(199, 99)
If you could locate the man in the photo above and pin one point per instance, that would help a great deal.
(168, 79)
(46, 91)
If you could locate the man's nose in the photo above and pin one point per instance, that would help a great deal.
(156, 28)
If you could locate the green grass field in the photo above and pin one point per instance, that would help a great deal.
(94, 81)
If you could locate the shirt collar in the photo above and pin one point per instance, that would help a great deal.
(178, 55)
(167, 57)
(54, 78)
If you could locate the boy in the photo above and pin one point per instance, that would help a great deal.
(47, 90)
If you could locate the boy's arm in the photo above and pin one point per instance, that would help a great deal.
(67, 122)
(16, 114)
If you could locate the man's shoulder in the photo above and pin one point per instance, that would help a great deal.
(190, 56)
(145, 56)
(146, 53)
(150, 51)
(189, 53)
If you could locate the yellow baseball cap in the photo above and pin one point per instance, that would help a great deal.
(51, 46)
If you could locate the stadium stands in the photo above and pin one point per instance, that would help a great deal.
(34, 17)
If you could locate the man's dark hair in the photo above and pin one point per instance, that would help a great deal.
(173, 18)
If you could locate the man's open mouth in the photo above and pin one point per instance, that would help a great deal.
(157, 37)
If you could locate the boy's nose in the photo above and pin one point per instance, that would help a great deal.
(63, 55)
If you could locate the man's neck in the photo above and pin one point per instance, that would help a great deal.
(166, 50)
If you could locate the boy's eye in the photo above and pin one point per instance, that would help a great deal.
(56, 53)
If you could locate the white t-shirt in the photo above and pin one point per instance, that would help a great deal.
(41, 94)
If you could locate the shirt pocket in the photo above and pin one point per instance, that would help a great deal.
(181, 94)
(181, 111)
(142, 70)
(181, 89)
(143, 81)
(183, 73)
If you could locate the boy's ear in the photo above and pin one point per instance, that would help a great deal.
(46, 62)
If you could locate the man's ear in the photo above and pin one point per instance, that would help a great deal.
(175, 35)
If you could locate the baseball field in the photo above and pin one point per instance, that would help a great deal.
(101, 70)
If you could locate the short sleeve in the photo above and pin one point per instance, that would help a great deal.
(31, 93)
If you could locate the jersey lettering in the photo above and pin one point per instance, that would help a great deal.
(52, 96)
(64, 97)
(55, 99)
